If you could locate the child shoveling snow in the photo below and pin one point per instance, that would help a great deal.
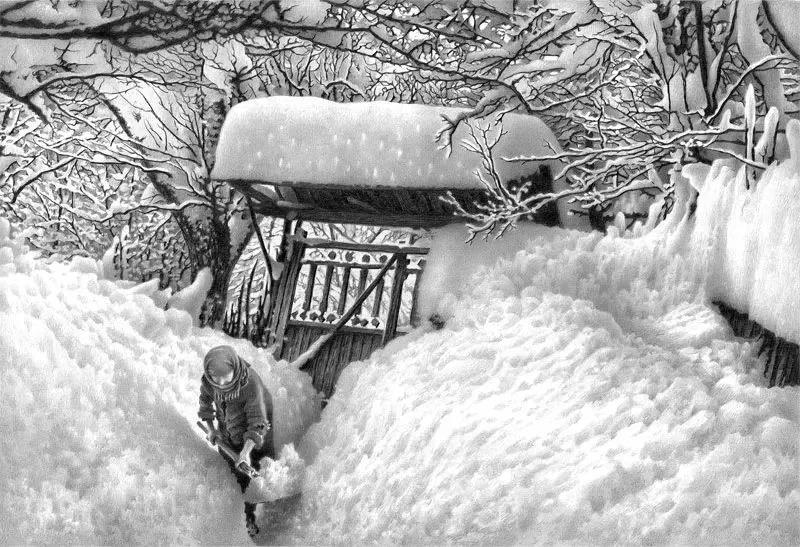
(233, 393)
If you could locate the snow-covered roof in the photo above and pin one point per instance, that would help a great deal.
(315, 141)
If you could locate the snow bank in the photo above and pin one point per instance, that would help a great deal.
(451, 263)
(311, 140)
(752, 238)
(584, 391)
(191, 298)
(99, 395)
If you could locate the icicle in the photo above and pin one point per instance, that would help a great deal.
(750, 107)
(766, 144)
(793, 139)
(619, 222)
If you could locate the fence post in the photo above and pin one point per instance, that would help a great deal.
(284, 295)
(400, 274)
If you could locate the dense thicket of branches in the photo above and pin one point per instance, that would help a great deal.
(114, 107)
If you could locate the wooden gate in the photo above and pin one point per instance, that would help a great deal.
(360, 296)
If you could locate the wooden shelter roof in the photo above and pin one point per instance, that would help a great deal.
(413, 208)
(367, 163)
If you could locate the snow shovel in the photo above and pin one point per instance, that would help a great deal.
(275, 514)
(243, 467)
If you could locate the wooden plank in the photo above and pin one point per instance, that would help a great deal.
(342, 264)
(376, 302)
(311, 281)
(328, 327)
(414, 315)
(358, 347)
(301, 333)
(343, 293)
(287, 298)
(395, 299)
(312, 243)
(326, 290)
(331, 362)
(284, 296)
(377, 342)
(346, 355)
(362, 283)
(296, 341)
(314, 369)
(304, 337)
(329, 357)
(368, 345)
(352, 353)
(286, 349)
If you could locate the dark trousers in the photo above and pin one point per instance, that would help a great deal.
(244, 480)
(255, 459)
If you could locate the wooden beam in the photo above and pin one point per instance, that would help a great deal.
(314, 243)
(390, 330)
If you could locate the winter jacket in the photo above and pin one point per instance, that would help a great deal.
(247, 415)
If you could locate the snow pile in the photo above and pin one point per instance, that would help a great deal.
(99, 394)
(583, 391)
(752, 237)
(450, 264)
(281, 478)
(314, 141)
(191, 298)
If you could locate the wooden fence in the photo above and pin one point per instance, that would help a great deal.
(361, 295)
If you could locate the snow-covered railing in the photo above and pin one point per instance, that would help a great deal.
(747, 226)
(781, 357)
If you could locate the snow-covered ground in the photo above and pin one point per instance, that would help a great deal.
(582, 391)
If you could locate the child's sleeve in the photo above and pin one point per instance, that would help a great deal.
(206, 412)
(255, 409)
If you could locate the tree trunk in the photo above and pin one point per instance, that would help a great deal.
(208, 238)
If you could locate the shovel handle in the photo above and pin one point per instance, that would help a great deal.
(243, 467)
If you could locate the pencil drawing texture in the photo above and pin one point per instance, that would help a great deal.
(316, 272)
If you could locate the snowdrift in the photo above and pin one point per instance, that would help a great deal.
(752, 237)
(99, 396)
(583, 390)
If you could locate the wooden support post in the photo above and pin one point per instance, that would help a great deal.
(362, 283)
(376, 304)
(247, 300)
(343, 292)
(415, 319)
(400, 274)
(312, 278)
(326, 291)
(284, 295)
(260, 236)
